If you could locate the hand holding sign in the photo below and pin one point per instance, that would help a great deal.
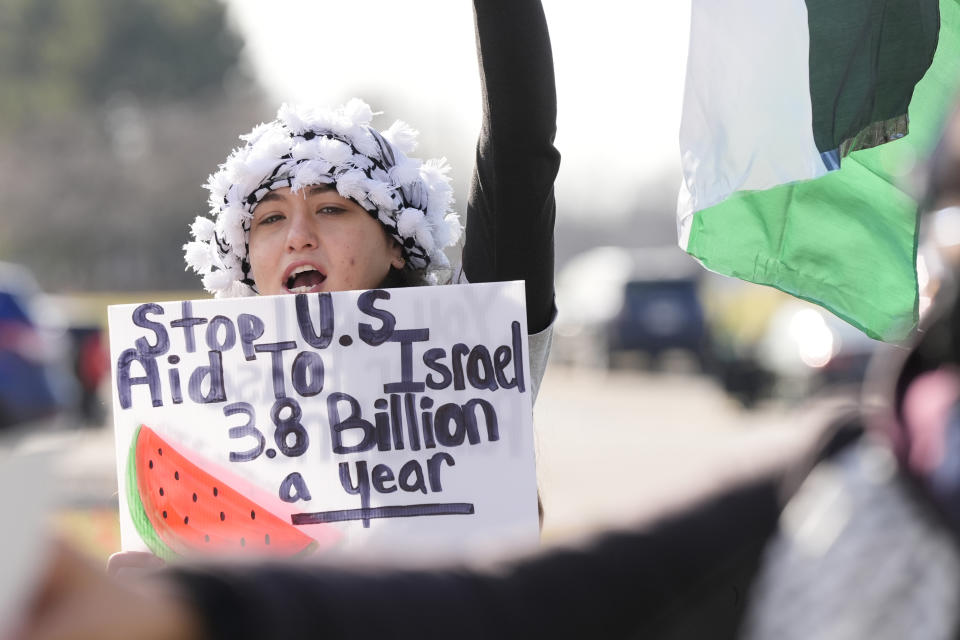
(321, 414)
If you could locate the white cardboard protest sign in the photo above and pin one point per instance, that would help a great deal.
(358, 420)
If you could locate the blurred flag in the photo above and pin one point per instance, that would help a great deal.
(795, 149)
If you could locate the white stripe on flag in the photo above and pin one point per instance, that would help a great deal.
(747, 114)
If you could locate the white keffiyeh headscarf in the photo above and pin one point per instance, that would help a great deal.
(308, 146)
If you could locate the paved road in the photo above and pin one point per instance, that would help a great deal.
(620, 447)
(612, 447)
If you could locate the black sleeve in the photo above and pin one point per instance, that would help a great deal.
(511, 208)
(684, 577)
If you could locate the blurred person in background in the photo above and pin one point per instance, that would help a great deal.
(868, 548)
(91, 365)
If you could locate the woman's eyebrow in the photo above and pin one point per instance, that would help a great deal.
(320, 188)
(272, 196)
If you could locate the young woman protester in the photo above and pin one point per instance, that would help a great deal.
(320, 200)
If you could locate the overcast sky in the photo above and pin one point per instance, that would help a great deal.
(620, 68)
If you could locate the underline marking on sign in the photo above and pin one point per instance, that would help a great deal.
(405, 511)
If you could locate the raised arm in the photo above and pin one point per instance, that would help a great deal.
(511, 208)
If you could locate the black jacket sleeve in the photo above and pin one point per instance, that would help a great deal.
(511, 208)
(684, 577)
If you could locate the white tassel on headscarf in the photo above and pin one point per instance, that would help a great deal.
(218, 281)
(202, 229)
(409, 222)
(402, 136)
(198, 255)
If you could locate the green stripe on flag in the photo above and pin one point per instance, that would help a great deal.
(846, 240)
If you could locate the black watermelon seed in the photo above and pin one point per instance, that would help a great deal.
(222, 516)
(253, 514)
(151, 464)
(214, 491)
(176, 475)
(194, 497)
(186, 519)
(161, 490)
(206, 538)
(243, 542)
(266, 538)
(160, 451)
(164, 514)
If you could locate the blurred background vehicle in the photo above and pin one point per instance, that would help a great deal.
(616, 303)
(769, 345)
(658, 308)
(807, 350)
(35, 371)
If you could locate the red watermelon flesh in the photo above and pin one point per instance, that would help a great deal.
(193, 512)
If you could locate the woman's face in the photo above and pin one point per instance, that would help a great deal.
(317, 240)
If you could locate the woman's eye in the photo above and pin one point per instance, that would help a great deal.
(270, 219)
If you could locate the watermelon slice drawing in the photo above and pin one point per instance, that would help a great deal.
(181, 510)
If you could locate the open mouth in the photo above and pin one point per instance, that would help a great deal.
(304, 278)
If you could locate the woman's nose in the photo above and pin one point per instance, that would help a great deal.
(301, 233)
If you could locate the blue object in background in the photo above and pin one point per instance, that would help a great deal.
(659, 315)
(33, 384)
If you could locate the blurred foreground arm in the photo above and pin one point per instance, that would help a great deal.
(687, 574)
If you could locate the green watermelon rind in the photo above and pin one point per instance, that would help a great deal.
(137, 512)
